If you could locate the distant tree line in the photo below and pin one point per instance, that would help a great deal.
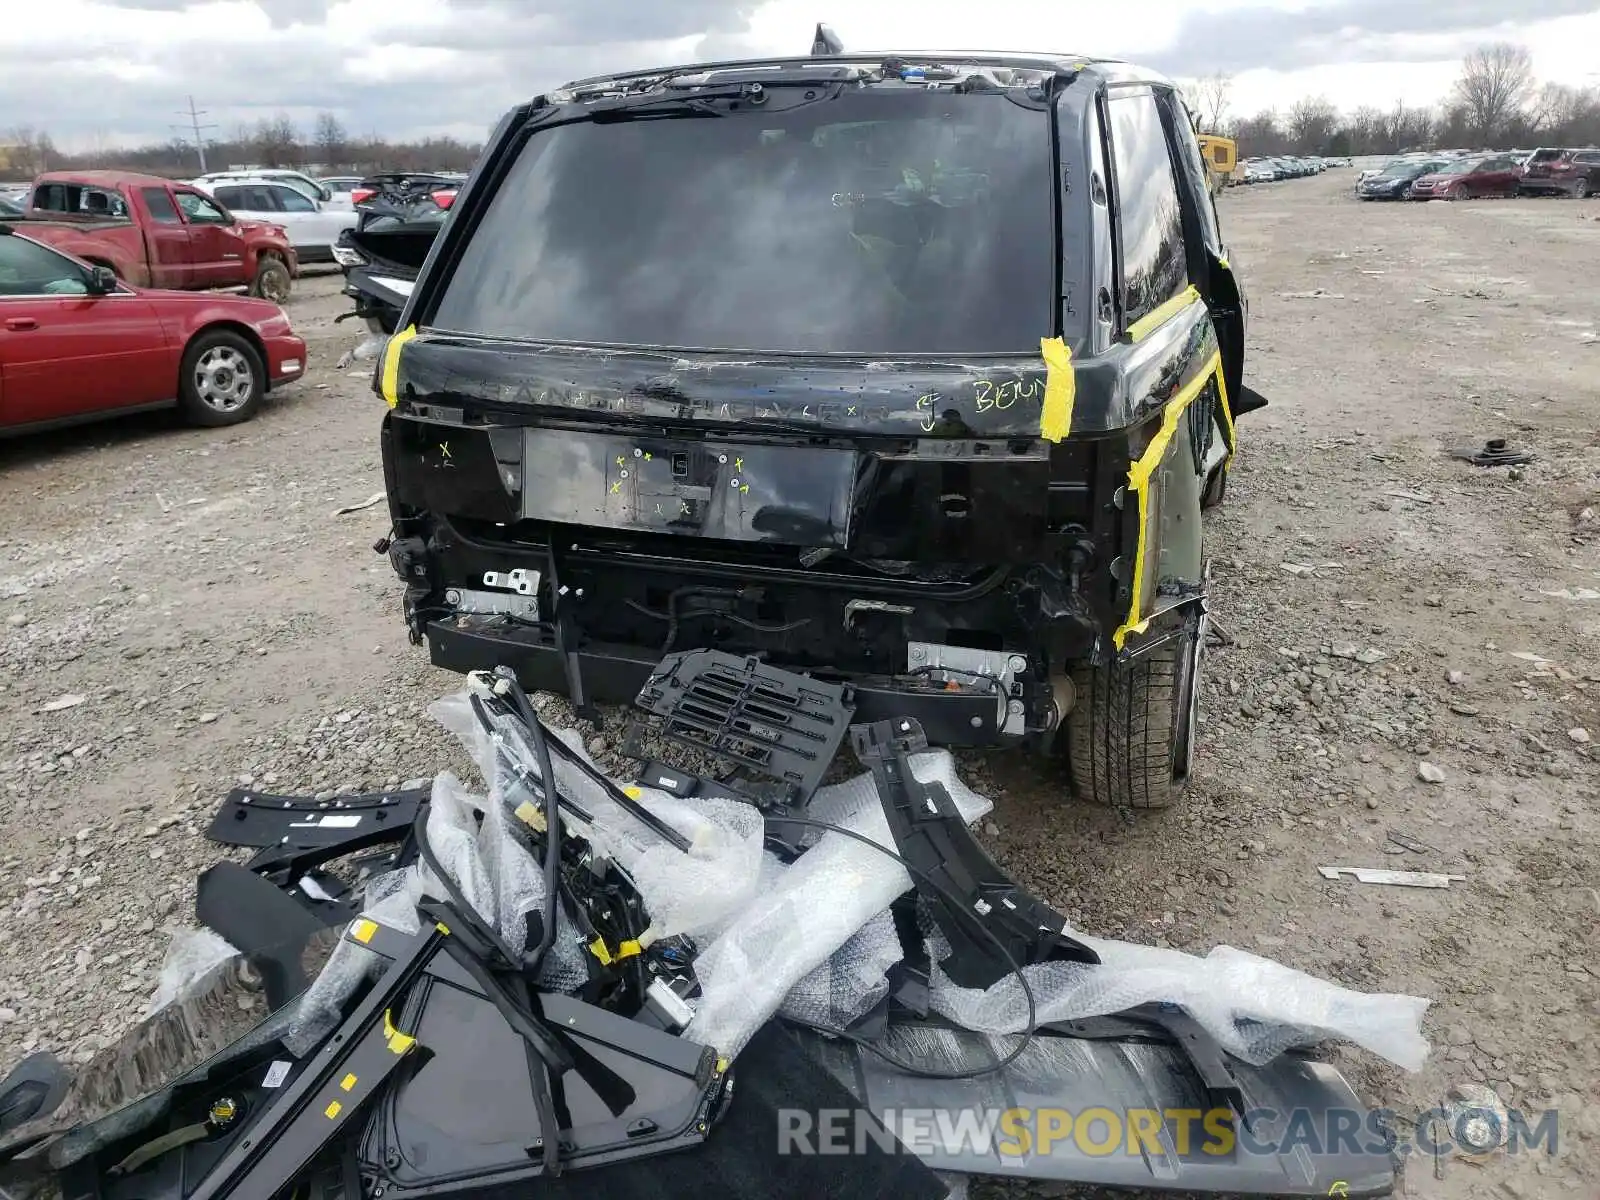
(1497, 103)
(276, 141)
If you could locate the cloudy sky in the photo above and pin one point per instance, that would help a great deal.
(109, 72)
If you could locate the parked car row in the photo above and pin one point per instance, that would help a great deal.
(1268, 170)
(1463, 175)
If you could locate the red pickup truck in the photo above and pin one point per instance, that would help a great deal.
(156, 233)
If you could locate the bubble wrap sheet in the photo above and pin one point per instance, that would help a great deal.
(813, 939)
(1254, 1007)
(694, 894)
(810, 909)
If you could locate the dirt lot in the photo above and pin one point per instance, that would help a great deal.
(1391, 607)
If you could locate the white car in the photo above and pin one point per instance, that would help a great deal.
(298, 180)
(311, 226)
(339, 189)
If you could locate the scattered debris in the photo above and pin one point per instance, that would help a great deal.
(1429, 773)
(1298, 570)
(375, 498)
(1419, 497)
(1528, 656)
(1314, 294)
(1422, 879)
(1496, 452)
(1573, 594)
(1370, 656)
(1477, 1119)
(1406, 842)
(1579, 735)
(70, 700)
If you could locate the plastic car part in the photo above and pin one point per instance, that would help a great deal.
(776, 724)
(1495, 452)
(932, 837)
(262, 921)
(296, 833)
(32, 1090)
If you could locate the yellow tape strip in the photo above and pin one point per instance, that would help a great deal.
(364, 930)
(399, 1042)
(391, 364)
(1139, 474)
(1227, 420)
(599, 949)
(333, 1110)
(1157, 317)
(1060, 389)
(628, 949)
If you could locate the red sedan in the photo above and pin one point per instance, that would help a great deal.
(1470, 178)
(75, 344)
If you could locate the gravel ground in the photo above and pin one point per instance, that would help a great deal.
(180, 611)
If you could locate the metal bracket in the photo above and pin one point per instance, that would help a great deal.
(524, 605)
(521, 581)
(964, 665)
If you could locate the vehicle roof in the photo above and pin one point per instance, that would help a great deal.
(254, 172)
(107, 179)
(1108, 70)
(241, 179)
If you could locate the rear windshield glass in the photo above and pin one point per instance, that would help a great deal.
(873, 223)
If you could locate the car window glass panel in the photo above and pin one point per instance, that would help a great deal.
(290, 200)
(871, 223)
(200, 210)
(29, 269)
(1154, 264)
(162, 210)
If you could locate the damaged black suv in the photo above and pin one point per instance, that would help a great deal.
(909, 372)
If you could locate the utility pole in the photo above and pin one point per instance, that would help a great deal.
(194, 116)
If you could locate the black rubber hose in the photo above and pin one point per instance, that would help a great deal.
(552, 812)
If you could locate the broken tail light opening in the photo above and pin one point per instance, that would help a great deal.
(445, 198)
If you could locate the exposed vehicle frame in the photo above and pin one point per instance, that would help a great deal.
(1005, 550)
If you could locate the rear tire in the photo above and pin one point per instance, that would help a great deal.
(271, 281)
(222, 380)
(1580, 190)
(1131, 733)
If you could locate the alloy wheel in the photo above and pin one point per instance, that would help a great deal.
(224, 379)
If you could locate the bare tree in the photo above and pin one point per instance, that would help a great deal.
(1260, 134)
(277, 141)
(1312, 122)
(31, 150)
(1495, 86)
(332, 141)
(1366, 129)
(1210, 94)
